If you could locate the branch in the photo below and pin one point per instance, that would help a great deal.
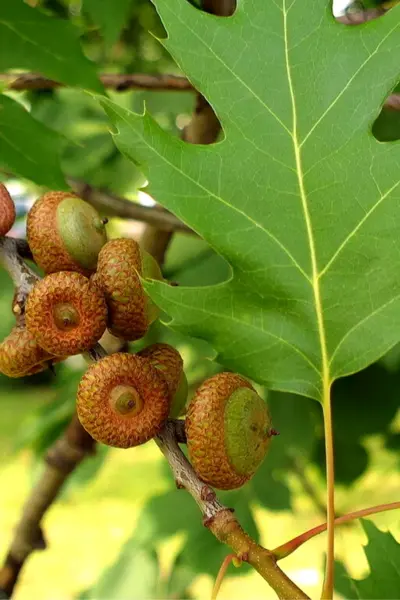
(72, 447)
(117, 82)
(22, 276)
(221, 521)
(115, 206)
(175, 83)
(292, 545)
(359, 16)
(61, 460)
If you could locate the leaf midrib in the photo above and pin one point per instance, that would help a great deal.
(315, 282)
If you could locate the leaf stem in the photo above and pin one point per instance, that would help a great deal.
(327, 590)
(288, 547)
(221, 574)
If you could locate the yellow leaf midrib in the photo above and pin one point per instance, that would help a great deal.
(315, 280)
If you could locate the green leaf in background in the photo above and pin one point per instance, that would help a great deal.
(299, 197)
(109, 21)
(357, 414)
(383, 582)
(29, 39)
(27, 147)
(297, 426)
(134, 575)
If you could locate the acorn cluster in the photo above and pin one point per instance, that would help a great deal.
(123, 400)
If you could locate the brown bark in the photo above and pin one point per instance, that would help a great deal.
(118, 82)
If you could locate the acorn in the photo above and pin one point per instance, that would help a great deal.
(66, 313)
(7, 210)
(120, 265)
(20, 354)
(169, 362)
(122, 400)
(65, 233)
(228, 429)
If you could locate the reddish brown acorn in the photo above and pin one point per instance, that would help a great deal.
(170, 364)
(131, 311)
(20, 354)
(66, 313)
(7, 210)
(228, 428)
(65, 233)
(122, 401)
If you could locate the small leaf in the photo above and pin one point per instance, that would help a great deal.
(32, 40)
(109, 21)
(27, 147)
(383, 555)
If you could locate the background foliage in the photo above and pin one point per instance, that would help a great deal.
(121, 528)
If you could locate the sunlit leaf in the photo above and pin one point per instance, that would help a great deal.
(383, 555)
(299, 197)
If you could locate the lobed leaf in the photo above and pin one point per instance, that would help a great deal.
(383, 555)
(298, 197)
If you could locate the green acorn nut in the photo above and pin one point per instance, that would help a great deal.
(122, 400)
(170, 364)
(131, 311)
(228, 429)
(65, 233)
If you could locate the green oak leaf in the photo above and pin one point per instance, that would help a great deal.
(27, 147)
(383, 582)
(299, 197)
(30, 39)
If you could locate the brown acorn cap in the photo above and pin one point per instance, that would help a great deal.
(66, 313)
(170, 364)
(7, 210)
(65, 233)
(122, 401)
(228, 428)
(120, 264)
(20, 354)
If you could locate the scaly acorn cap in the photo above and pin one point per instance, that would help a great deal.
(20, 354)
(119, 266)
(65, 233)
(7, 210)
(170, 364)
(228, 428)
(66, 313)
(122, 400)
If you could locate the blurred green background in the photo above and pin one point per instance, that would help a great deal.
(121, 530)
